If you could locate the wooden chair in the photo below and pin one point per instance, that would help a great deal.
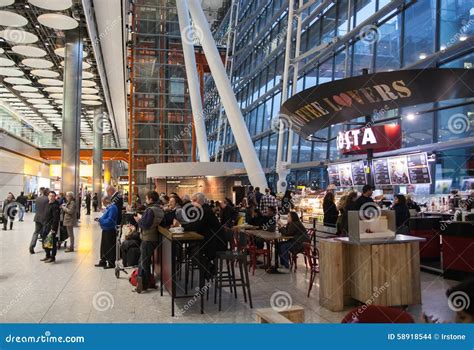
(313, 256)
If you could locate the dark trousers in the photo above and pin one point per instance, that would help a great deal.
(107, 246)
(146, 253)
(7, 218)
(38, 232)
(88, 207)
(51, 253)
(130, 250)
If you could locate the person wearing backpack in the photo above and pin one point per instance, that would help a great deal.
(148, 223)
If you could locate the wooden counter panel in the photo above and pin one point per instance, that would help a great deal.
(331, 278)
(361, 273)
(380, 274)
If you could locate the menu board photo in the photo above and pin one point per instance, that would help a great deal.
(333, 174)
(418, 169)
(381, 173)
(345, 174)
(398, 170)
(358, 173)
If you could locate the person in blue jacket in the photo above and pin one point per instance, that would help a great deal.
(108, 223)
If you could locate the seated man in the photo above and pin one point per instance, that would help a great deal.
(207, 224)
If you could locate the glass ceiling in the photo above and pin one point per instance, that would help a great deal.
(32, 40)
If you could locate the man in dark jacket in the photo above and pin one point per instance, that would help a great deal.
(366, 197)
(51, 223)
(23, 201)
(205, 222)
(41, 206)
(88, 203)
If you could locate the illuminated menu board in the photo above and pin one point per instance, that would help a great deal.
(381, 172)
(347, 174)
(358, 173)
(402, 170)
(333, 174)
(418, 169)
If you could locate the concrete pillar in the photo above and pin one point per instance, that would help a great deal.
(234, 115)
(97, 153)
(71, 133)
(192, 79)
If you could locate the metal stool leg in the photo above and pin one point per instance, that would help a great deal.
(221, 267)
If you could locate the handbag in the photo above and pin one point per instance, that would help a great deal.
(48, 241)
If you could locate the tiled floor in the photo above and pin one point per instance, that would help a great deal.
(73, 290)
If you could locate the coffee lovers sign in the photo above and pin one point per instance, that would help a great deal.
(343, 100)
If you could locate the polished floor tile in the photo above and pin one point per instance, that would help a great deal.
(73, 290)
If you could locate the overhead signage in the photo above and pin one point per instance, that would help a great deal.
(379, 138)
(402, 170)
(347, 174)
(342, 100)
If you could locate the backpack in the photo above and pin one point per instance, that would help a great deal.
(133, 279)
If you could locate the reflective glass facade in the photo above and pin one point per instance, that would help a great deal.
(401, 38)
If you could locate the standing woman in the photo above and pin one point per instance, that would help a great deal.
(69, 212)
(330, 211)
(9, 211)
(402, 214)
(51, 228)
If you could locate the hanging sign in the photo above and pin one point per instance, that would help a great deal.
(379, 138)
(342, 100)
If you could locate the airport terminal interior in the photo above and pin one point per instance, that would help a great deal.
(236, 161)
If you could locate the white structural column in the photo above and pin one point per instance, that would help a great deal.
(281, 168)
(71, 132)
(234, 115)
(294, 86)
(193, 79)
(97, 153)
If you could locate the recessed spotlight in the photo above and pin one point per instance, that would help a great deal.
(422, 56)
(463, 37)
(27, 6)
(410, 116)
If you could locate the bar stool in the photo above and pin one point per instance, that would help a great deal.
(227, 278)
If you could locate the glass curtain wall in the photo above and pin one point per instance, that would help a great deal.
(401, 38)
(160, 106)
